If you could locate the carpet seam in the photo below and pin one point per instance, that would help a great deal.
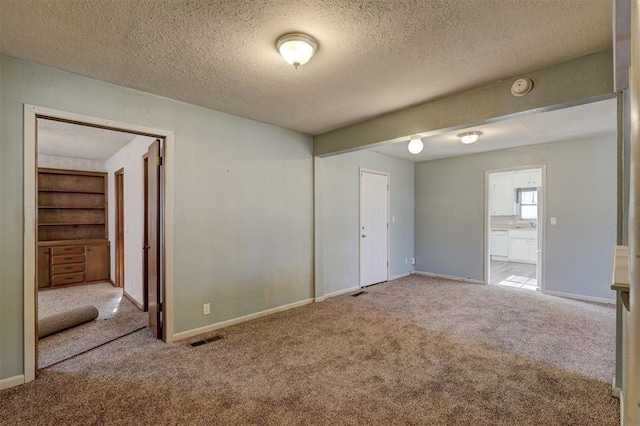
(95, 347)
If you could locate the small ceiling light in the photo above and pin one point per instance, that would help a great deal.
(469, 137)
(415, 145)
(296, 48)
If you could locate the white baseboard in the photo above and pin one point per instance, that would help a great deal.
(350, 289)
(615, 391)
(395, 277)
(580, 297)
(449, 277)
(336, 293)
(216, 326)
(10, 382)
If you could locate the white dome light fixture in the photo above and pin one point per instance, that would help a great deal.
(469, 137)
(297, 48)
(415, 144)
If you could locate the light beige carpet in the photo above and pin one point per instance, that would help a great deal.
(417, 351)
(117, 317)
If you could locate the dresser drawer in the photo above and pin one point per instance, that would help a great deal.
(56, 251)
(67, 279)
(68, 268)
(57, 260)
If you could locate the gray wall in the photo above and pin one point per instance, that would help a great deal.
(338, 196)
(243, 207)
(581, 193)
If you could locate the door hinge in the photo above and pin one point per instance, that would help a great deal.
(387, 225)
(160, 307)
(159, 161)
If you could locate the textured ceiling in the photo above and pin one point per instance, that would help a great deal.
(375, 56)
(583, 121)
(72, 140)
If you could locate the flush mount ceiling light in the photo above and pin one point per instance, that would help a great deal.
(296, 48)
(415, 144)
(469, 137)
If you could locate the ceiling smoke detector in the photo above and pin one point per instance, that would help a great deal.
(521, 86)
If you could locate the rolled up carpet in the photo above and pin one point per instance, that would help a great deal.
(65, 320)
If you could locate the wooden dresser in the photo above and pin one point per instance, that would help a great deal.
(73, 246)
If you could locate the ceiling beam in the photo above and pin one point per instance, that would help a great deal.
(570, 83)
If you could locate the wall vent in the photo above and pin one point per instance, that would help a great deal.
(205, 341)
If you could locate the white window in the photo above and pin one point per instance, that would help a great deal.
(528, 200)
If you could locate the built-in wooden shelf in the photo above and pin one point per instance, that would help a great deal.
(72, 228)
(76, 208)
(70, 224)
(70, 191)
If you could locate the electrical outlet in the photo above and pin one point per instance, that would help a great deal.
(206, 309)
(413, 260)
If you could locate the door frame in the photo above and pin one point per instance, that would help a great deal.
(31, 114)
(388, 176)
(542, 223)
(118, 192)
(145, 235)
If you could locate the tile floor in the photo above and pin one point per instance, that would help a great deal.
(514, 274)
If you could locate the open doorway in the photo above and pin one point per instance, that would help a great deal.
(515, 227)
(83, 225)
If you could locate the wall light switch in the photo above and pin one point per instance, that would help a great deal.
(553, 221)
(413, 260)
(206, 309)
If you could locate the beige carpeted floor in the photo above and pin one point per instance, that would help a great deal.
(414, 351)
(117, 317)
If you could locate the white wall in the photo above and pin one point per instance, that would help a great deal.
(243, 219)
(581, 194)
(129, 157)
(338, 200)
(70, 163)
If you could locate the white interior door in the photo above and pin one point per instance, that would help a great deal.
(374, 225)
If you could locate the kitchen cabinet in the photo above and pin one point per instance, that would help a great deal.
(523, 246)
(527, 179)
(502, 194)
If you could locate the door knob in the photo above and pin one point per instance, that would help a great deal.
(364, 236)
